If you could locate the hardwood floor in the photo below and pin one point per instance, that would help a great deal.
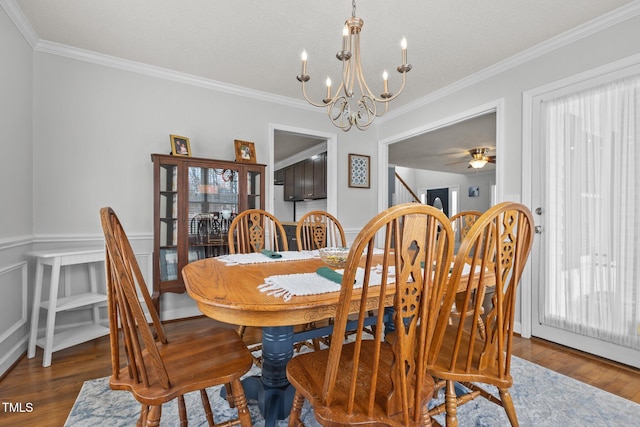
(52, 391)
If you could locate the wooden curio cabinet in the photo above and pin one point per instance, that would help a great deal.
(194, 201)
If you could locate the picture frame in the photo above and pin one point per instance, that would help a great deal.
(180, 146)
(245, 151)
(359, 171)
(474, 191)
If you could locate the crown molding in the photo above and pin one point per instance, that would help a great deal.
(59, 49)
(598, 24)
(20, 21)
(17, 16)
(45, 46)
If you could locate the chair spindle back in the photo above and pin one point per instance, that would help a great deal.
(497, 244)
(125, 285)
(417, 247)
(254, 230)
(319, 229)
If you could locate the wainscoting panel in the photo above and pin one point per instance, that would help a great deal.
(14, 313)
(13, 304)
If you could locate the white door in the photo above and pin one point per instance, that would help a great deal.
(586, 202)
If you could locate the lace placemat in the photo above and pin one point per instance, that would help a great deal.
(257, 257)
(286, 286)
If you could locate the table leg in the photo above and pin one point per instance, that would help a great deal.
(93, 283)
(35, 313)
(389, 326)
(272, 390)
(51, 313)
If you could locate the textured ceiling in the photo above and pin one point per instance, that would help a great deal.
(257, 44)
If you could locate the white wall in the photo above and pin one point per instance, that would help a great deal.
(423, 179)
(16, 186)
(284, 210)
(592, 49)
(95, 128)
(15, 123)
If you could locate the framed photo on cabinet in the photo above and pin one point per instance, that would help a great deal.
(245, 151)
(359, 171)
(180, 146)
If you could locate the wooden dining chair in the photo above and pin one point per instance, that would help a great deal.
(254, 230)
(319, 229)
(497, 244)
(461, 224)
(314, 230)
(376, 380)
(154, 368)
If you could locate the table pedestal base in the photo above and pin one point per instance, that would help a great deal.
(274, 403)
(272, 389)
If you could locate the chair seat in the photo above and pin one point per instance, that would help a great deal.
(193, 361)
(307, 372)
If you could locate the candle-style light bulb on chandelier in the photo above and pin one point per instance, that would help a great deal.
(354, 104)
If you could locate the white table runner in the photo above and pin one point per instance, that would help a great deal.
(258, 257)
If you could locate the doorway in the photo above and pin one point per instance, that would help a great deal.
(442, 149)
(439, 199)
(331, 164)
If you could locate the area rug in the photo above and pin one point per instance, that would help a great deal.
(541, 398)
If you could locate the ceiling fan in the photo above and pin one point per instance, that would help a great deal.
(479, 158)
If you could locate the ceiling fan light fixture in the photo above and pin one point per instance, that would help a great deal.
(478, 163)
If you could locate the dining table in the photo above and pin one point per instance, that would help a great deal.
(234, 293)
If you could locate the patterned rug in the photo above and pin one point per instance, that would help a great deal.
(541, 398)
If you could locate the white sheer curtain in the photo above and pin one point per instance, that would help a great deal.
(593, 281)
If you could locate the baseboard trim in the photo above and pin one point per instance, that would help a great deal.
(13, 356)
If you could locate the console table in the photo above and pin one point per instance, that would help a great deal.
(56, 258)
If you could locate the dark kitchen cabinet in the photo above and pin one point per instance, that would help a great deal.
(318, 183)
(278, 177)
(306, 179)
(294, 182)
(290, 232)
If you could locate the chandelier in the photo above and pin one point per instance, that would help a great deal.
(353, 103)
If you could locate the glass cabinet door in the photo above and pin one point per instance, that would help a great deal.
(194, 203)
(254, 190)
(168, 222)
(213, 203)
